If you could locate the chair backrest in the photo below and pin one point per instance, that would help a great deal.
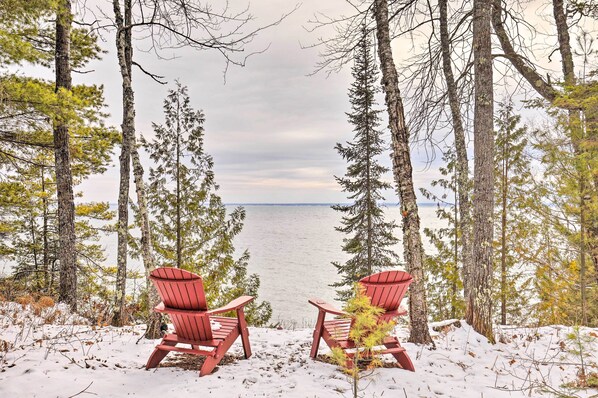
(183, 290)
(387, 289)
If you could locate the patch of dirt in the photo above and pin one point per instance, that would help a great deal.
(195, 362)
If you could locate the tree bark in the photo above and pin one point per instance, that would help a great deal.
(503, 226)
(519, 62)
(479, 301)
(123, 52)
(462, 166)
(562, 30)
(46, 248)
(403, 175)
(125, 60)
(67, 254)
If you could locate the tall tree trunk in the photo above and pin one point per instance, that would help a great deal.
(479, 301)
(179, 245)
(462, 166)
(46, 248)
(127, 126)
(503, 227)
(368, 129)
(67, 254)
(125, 60)
(403, 175)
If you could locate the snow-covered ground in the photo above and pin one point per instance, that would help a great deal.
(64, 359)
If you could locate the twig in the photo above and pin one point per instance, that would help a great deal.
(84, 391)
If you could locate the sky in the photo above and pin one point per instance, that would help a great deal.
(270, 127)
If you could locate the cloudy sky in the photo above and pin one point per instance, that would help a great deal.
(270, 127)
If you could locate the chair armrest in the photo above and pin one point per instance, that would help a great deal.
(324, 306)
(237, 303)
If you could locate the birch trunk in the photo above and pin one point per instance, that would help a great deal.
(462, 167)
(123, 52)
(503, 227)
(479, 301)
(403, 175)
(67, 254)
(125, 61)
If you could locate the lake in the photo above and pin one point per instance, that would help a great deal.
(291, 248)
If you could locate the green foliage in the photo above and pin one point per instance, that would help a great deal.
(569, 208)
(367, 332)
(190, 224)
(515, 226)
(27, 34)
(29, 109)
(371, 236)
(582, 346)
(444, 285)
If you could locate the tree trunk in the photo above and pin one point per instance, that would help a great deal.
(562, 30)
(46, 248)
(520, 63)
(179, 245)
(403, 175)
(123, 51)
(67, 254)
(125, 61)
(368, 129)
(479, 301)
(462, 166)
(503, 227)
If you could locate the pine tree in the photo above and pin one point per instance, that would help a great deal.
(371, 235)
(569, 208)
(189, 221)
(514, 226)
(443, 277)
(30, 108)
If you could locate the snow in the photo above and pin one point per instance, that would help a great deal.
(70, 358)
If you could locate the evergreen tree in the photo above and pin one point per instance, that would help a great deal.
(443, 276)
(371, 235)
(189, 221)
(516, 229)
(30, 108)
(569, 208)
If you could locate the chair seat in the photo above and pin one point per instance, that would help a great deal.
(227, 327)
(338, 330)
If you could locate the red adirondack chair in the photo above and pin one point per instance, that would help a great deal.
(184, 300)
(386, 290)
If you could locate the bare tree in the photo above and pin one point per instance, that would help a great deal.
(166, 24)
(462, 167)
(479, 300)
(403, 175)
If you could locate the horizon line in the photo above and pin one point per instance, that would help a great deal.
(424, 204)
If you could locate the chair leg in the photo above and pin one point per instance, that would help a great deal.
(211, 362)
(158, 355)
(208, 366)
(401, 357)
(244, 332)
(317, 334)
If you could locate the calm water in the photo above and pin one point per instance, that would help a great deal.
(291, 248)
